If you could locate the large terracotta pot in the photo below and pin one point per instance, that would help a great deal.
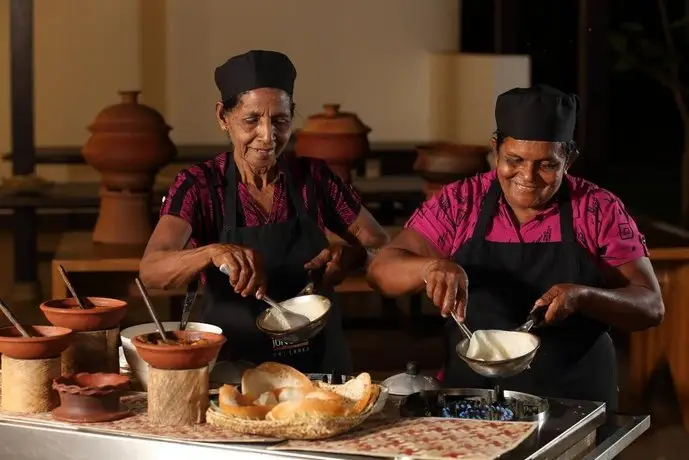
(338, 138)
(129, 144)
(441, 163)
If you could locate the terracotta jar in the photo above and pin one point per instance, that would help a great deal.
(129, 144)
(441, 163)
(338, 138)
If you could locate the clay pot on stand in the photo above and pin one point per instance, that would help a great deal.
(338, 138)
(129, 144)
(440, 163)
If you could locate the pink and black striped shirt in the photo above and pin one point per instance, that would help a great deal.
(189, 198)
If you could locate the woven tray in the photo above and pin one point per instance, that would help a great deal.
(307, 428)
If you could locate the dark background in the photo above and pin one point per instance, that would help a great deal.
(634, 134)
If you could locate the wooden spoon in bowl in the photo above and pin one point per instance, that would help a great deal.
(151, 311)
(5, 309)
(63, 274)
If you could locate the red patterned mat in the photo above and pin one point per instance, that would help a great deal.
(138, 425)
(426, 439)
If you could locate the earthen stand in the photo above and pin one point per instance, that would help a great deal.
(92, 351)
(27, 384)
(177, 397)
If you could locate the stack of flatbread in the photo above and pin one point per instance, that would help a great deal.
(277, 400)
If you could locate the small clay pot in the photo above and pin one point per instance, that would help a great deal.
(444, 162)
(46, 342)
(89, 398)
(338, 138)
(104, 314)
(178, 356)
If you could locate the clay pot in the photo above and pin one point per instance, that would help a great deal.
(129, 144)
(47, 342)
(91, 398)
(178, 357)
(105, 313)
(441, 163)
(338, 138)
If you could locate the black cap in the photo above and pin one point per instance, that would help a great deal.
(255, 69)
(539, 113)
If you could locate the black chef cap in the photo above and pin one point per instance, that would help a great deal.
(539, 113)
(255, 69)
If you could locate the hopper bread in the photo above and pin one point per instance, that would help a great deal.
(325, 395)
(234, 404)
(291, 393)
(266, 399)
(271, 376)
(357, 390)
(307, 408)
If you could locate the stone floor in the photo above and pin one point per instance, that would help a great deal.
(667, 439)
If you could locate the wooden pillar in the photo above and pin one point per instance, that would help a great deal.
(23, 143)
(592, 87)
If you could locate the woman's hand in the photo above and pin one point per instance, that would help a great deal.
(337, 261)
(446, 285)
(560, 301)
(246, 271)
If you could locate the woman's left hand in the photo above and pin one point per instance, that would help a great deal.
(338, 260)
(561, 301)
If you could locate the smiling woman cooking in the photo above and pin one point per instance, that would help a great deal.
(264, 215)
(526, 236)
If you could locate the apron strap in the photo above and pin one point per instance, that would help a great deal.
(295, 195)
(566, 213)
(230, 218)
(490, 203)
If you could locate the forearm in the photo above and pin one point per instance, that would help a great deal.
(632, 308)
(395, 272)
(170, 269)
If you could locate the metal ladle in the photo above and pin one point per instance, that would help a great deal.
(151, 311)
(295, 320)
(6, 310)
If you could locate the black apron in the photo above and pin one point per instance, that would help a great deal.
(576, 359)
(284, 248)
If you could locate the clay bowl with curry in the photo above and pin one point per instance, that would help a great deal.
(181, 349)
(101, 313)
(45, 342)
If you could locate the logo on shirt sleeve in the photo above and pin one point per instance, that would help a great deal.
(625, 231)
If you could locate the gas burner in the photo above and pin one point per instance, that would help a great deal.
(477, 404)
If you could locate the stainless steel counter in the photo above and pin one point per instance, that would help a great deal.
(569, 432)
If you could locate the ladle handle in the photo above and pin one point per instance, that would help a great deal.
(225, 269)
(462, 327)
(151, 311)
(13, 320)
(65, 279)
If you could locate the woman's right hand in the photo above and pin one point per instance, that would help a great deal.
(446, 285)
(246, 271)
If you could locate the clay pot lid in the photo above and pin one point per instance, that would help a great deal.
(333, 121)
(449, 148)
(105, 313)
(182, 356)
(88, 384)
(129, 116)
(47, 342)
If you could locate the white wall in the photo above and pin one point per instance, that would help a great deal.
(371, 56)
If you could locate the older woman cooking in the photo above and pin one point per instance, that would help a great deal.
(527, 236)
(264, 215)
